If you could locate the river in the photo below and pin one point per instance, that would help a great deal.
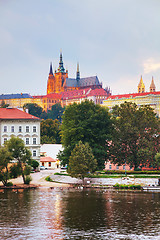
(79, 214)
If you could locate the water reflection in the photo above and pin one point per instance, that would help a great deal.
(72, 214)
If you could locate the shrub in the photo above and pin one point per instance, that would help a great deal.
(28, 179)
(130, 172)
(48, 179)
(15, 171)
(27, 170)
(9, 184)
(125, 186)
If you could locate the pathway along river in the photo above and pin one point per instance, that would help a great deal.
(79, 214)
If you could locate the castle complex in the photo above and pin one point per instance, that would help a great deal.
(64, 90)
(61, 89)
(59, 81)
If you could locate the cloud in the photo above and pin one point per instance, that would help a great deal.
(151, 65)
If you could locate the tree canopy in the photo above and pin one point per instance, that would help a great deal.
(89, 123)
(50, 132)
(56, 112)
(3, 104)
(81, 161)
(35, 110)
(5, 159)
(21, 153)
(135, 135)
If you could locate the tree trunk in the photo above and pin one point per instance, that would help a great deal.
(22, 172)
(83, 181)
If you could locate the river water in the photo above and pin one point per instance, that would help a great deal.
(79, 214)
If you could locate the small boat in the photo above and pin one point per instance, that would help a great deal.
(151, 188)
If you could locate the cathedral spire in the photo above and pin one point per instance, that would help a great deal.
(141, 86)
(51, 71)
(61, 68)
(152, 86)
(78, 73)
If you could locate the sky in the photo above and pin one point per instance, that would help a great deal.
(117, 40)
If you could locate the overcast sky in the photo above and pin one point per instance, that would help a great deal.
(117, 40)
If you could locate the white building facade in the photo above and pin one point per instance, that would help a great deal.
(14, 122)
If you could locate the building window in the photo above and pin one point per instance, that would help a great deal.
(49, 164)
(34, 140)
(12, 128)
(124, 167)
(34, 153)
(27, 128)
(42, 163)
(34, 129)
(5, 128)
(5, 139)
(110, 167)
(117, 167)
(20, 128)
(27, 141)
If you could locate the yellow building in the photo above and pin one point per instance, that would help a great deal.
(141, 98)
(16, 100)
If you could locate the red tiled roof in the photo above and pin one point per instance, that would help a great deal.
(54, 95)
(81, 93)
(97, 92)
(14, 113)
(119, 96)
(47, 159)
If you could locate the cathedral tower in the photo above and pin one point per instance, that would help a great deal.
(51, 81)
(141, 86)
(152, 86)
(78, 75)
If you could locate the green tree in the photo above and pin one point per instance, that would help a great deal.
(135, 135)
(34, 164)
(56, 112)
(20, 153)
(81, 161)
(3, 104)
(157, 160)
(5, 158)
(35, 110)
(50, 132)
(89, 123)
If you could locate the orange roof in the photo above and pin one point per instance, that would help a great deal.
(119, 96)
(14, 113)
(47, 159)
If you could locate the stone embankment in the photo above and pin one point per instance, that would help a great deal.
(38, 180)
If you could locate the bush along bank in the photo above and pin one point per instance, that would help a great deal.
(129, 172)
(125, 186)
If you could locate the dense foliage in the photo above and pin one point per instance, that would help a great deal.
(3, 104)
(81, 161)
(89, 123)
(56, 112)
(50, 133)
(5, 159)
(35, 110)
(21, 154)
(135, 135)
(157, 160)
